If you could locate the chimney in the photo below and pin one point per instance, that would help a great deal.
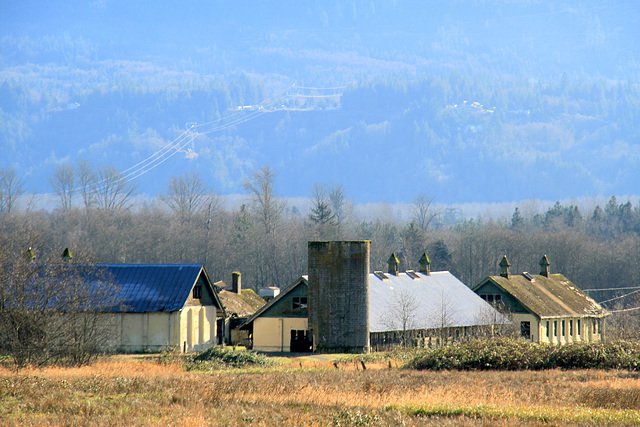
(393, 264)
(504, 267)
(66, 255)
(236, 282)
(544, 266)
(425, 264)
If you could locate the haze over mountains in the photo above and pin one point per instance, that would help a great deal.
(467, 101)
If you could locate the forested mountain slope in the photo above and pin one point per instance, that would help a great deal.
(464, 100)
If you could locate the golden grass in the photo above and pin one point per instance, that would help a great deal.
(126, 391)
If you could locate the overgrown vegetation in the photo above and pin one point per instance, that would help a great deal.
(52, 312)
(227, 357)
(516, 355)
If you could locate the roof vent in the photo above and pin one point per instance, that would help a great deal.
(413, 274)
(528, 276)
(380, 275)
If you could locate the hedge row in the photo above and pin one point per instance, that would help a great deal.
(513, 354)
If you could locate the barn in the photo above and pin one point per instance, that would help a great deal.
(341, 306)
(547, 307)
(163, 307)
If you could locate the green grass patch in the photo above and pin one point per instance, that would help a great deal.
(529, 414)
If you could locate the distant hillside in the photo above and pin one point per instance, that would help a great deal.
(466, 101)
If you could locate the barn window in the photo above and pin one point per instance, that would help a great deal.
(571, 327)
(299, 303)
(548, 330)
(492, 298)
(197, 292)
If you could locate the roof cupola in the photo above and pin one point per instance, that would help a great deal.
(425, 264)
(544, 266)
(504, 267)
(393, 264)
(66, 255)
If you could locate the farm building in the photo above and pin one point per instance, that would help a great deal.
(163, 306)
(340, 306)
(239, 305)
(548, 307)
(282, 324)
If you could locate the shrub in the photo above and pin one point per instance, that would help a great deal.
(513, 354)
(227, 357)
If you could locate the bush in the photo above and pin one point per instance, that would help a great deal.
(227, 357)
(513, 354)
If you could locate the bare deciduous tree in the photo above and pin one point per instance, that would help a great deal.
(63, 183)
(402, 315)
(10, 189)
(114, 192)
(52, 312)
(495, 319)
(422, 212)
(413, 245)
(443, 316)
(187, 194)
(86, 183)
(266, 206)
(340, 206)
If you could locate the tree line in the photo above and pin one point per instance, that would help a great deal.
(266, 239)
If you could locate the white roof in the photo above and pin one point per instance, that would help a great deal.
(429, 301)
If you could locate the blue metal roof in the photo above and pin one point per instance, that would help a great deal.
(153, 287)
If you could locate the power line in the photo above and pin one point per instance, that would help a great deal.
(195, 130)
(158, 161)
(620, 297)
(320, 88)
(624, 309)
(612, 289)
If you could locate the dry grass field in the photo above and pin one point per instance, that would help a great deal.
(301, 392)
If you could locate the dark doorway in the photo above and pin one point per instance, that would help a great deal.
(300, 341)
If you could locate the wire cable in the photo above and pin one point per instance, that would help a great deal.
(620, 297)
(612, 289)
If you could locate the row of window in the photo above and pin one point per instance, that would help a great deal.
(563, 327)
(492, 298)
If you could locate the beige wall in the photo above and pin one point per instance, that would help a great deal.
(517, 318)
(197, 328)
(274, 333)
(191, 329)
(575, 330)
